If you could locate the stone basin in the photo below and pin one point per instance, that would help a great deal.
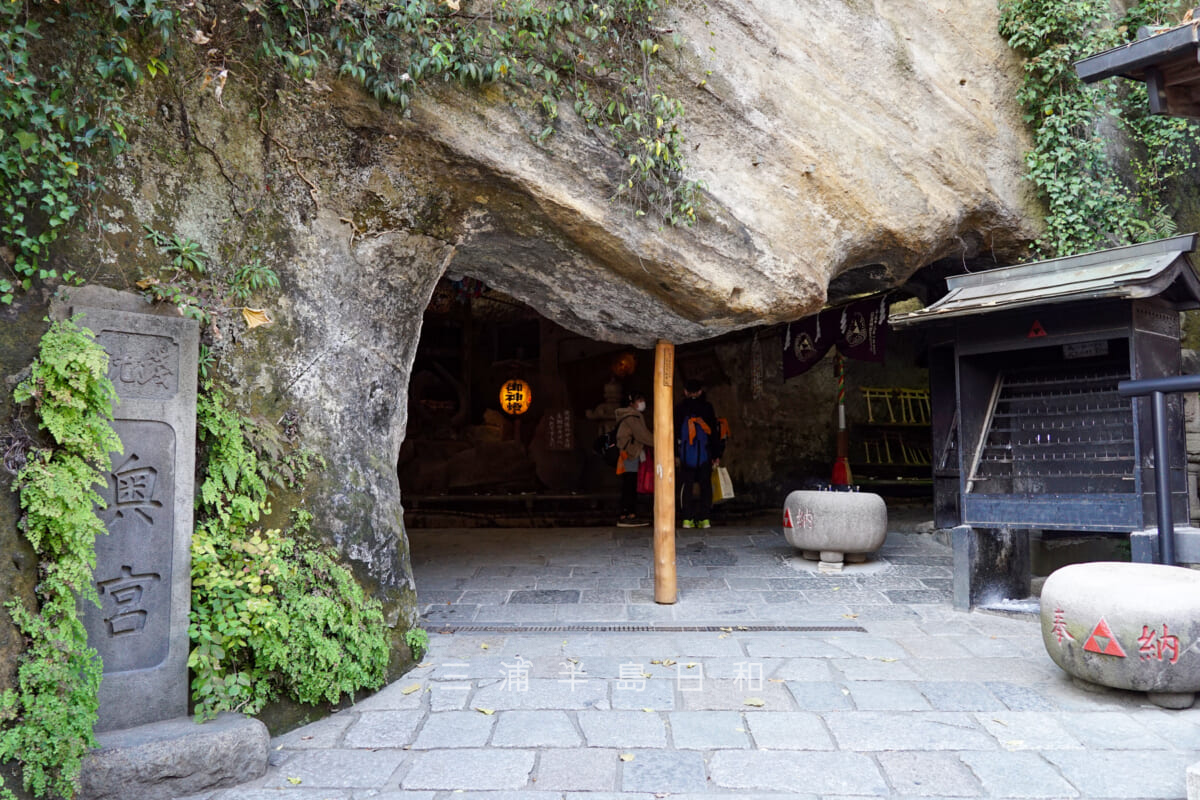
(1126, 626)
(835, 527)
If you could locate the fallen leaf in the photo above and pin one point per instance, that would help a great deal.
(850, 616)
(626, 756)
(648, 710)
(146, 283)
(410, 689)
(488, 711)
(1014, 744)
(452, 4)
(483, 646)
(647, 675)
(774, 680)
(305, 738)
(727, 630)
(294, 781)
(757, 702)
(656, 661)
(742, 628)
(668, 662)
(198, 37)
(723, 636)
(837, 588)
(426, 664)
(255, 317)
(692, 665)
(999, 722)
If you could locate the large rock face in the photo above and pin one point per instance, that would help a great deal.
(832, 136)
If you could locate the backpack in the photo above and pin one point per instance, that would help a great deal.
(693, 441)
(605, 446)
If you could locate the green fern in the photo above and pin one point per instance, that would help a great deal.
(52, 712)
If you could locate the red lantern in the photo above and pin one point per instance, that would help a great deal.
(624, 365)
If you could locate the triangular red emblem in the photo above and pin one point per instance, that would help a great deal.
(787, 518)
(1103, 642)
(1036, 331)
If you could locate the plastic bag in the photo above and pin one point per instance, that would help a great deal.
(722, 486)
(645, 479)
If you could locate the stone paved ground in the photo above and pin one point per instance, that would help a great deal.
(913, 700)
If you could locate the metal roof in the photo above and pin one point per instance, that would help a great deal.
(1137, 271)
(1131, 60)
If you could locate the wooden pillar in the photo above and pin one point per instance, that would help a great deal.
(664, 474)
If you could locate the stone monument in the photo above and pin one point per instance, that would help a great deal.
(142, 572)
(147, 746)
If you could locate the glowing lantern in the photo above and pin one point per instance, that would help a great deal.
(515, 396)
(624, 364)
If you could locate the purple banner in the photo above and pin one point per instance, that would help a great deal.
(859, 330)
(862, 329)
(806, 341)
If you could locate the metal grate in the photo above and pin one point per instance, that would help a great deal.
(649, 628)
(1057, 431)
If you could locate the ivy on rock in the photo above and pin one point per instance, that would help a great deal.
(66, 70)
(1092, 200)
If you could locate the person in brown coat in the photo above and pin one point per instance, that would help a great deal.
(633, 439)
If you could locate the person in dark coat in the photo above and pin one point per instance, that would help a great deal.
(694, 415)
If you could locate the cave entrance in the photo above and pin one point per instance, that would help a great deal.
(512, 517)
(468, 458)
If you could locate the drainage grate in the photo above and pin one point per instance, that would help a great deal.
(648, 628)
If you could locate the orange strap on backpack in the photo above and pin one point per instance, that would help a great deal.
(697, 422)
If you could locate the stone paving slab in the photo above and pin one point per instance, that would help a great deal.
(922, 701)
(877, 730)
(623, 729)
(1125, 774)
(1008, 774)
(582, 770)
(789, 730)
(820, 696)
(470, 769)
(822, 772)
(663, 771)
(1023, 730)
(383, 729)
(891, 695)
(535, 729)
(336, 769)
(959, 696)
(449, 729)
(929, 774)
(708, 730)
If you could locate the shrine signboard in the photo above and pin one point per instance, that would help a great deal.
(142, 565)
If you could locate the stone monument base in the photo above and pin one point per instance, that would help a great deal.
(175, 758)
